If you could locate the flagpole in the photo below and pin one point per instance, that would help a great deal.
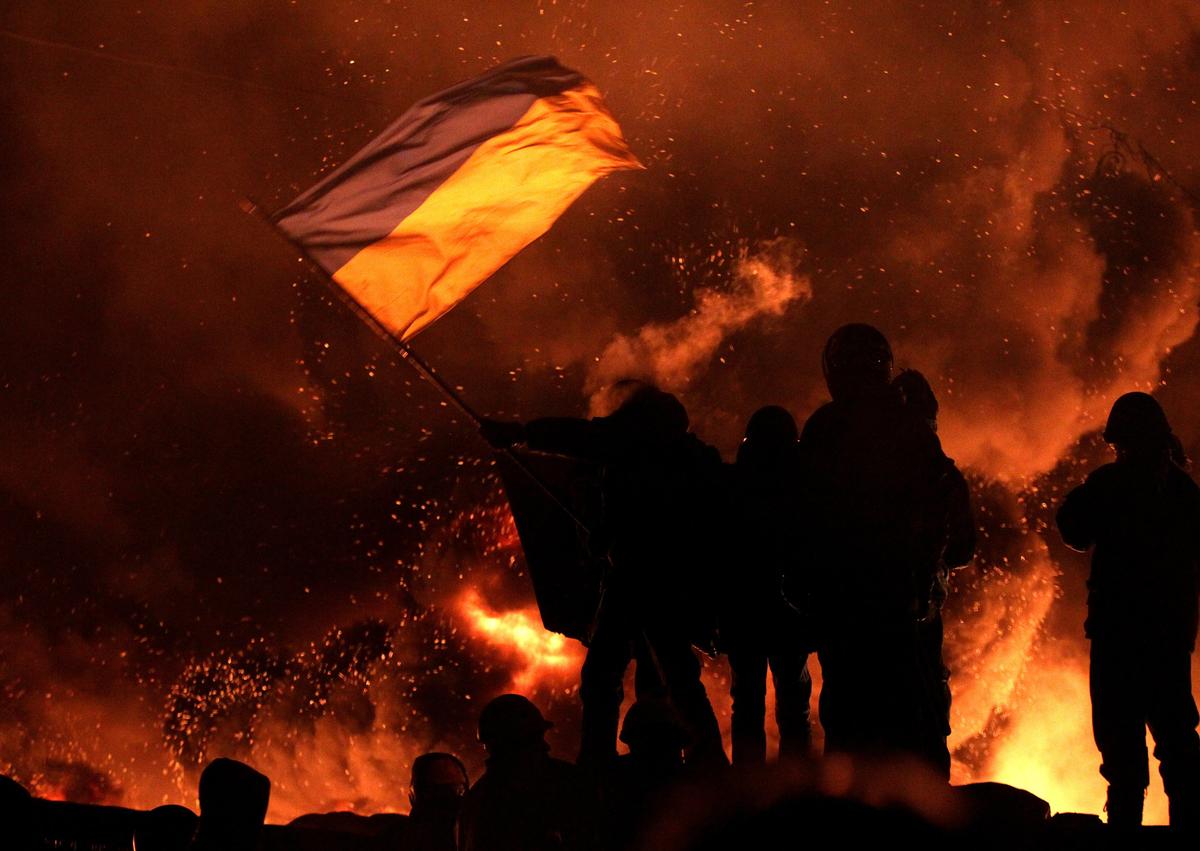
(407, 354)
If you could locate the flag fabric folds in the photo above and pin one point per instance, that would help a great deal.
(455, 187)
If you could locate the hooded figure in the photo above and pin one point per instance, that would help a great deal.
(1140, 516)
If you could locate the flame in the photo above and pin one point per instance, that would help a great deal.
(1047, 745)
(540, 658)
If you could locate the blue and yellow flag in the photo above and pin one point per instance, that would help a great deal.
(455, 187)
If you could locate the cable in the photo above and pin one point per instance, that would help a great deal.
(138, 62)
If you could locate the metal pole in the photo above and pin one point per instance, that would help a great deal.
(408, 355)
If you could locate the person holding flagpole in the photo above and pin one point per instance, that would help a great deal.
(661, 494)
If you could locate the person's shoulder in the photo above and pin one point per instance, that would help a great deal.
(1181, 479)
(821, 420)
(699, 451)
(562, 767)
(826, 411)
(1105, 474)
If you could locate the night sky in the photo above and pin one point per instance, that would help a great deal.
(231, 522)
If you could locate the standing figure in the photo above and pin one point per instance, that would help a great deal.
(876, 512)
(1142, 516)
(661, 499)
(759, 629)
(956, 552)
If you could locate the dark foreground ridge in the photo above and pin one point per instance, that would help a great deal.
(855, 805)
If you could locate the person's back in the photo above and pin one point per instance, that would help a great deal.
(874, 469)
(659, 483)
(526, 800)
(1142, 516)
(529, 802)
(759, 629)
(638, 784)
(1144, 525)
(876, 521)
(661, 494)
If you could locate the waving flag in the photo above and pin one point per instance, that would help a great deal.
(456, 186)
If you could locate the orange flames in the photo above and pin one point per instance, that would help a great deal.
(1047, 745)
(1007, 669)
(540, 658)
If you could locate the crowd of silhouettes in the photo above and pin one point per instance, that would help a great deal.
(836, 539)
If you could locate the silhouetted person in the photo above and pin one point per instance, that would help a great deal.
(233, 806)
(661, 494)
(638, 783)
(526, 800)
(876, 517)
(437, 786)
(958, 548)
(166, 828)
(439, 782)
(1142, 516)
(16, 814)
(759, 629)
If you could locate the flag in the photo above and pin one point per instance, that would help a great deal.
(567, 576)
(455, 187)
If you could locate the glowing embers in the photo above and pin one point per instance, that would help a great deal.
(539, 658)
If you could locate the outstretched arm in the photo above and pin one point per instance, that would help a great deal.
(572, 436)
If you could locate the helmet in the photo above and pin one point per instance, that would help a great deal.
(652, 412)
(438, 769)
(771, 425)
(653, 721)
(917, 394)
(1137, 419)
(511, 719)
(856, 356)
(769, 433)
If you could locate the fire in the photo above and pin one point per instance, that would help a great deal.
(539, 657)
(1047, 744)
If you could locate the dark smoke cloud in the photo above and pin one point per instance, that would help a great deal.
(205, 459)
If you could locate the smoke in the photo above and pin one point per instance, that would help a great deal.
(206, 468)
(670, 355)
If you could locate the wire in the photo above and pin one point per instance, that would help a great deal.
(139, 62)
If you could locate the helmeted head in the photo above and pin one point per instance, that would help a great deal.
(856, 357)
(233, 805)
(770, 432)
(653, 725)
(1136, 419)
(439, 781)
(651, 413)
(1137, 427)
(510, 723)
(166, 828)
(918, 395)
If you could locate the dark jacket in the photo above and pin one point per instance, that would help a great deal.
(878, 496)
(765, 542)
(1145, 527)
(661, 505)
(531, 802)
